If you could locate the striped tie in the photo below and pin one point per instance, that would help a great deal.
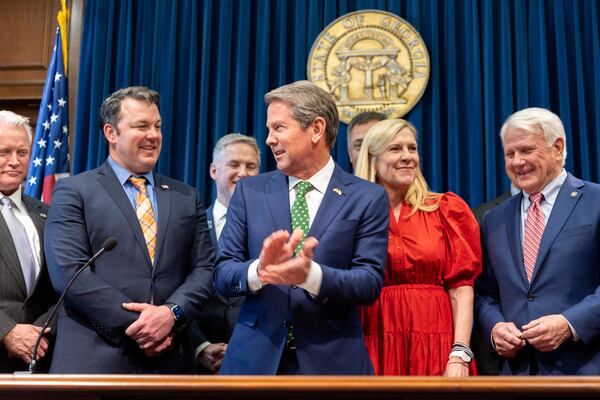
(145, 214)
(534, 228)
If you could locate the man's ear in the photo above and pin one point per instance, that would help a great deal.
(213, 171)
(110, 133)
(559, 145)
(318, 130)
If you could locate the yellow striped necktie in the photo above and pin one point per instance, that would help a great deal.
(145, 214)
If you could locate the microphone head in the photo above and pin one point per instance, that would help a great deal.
(109, 244)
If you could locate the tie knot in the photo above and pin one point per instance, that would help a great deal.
(302, 188)
(536, 198)
(138, 182)
(7, 202)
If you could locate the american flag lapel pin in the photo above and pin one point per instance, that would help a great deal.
(164, 187)
(337, 191)
(43, 215)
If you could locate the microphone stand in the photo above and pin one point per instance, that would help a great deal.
(108, 245)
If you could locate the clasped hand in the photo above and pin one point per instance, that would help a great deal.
(545, 334)
(277, 263)
(153, 329)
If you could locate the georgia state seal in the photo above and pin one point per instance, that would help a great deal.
(370, 61)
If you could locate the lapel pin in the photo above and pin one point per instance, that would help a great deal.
(337, 191)
(43, 215)
(573, 194)
(165, 187)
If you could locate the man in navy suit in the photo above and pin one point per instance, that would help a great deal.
(235, 156)
(538, 297)
(303, 289)
(128, 313)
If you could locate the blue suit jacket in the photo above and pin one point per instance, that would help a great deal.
(352, 228)
(86, 210)
(566, 278)
(217, 318)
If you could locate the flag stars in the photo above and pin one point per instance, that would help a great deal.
(37, 162)
(53, 118)
(61, 102)
(42, 143)
(65, 129)
(50, 160)
(32, 180)
(57, 77)
(57, 144)
(46, 125)
(49, 106)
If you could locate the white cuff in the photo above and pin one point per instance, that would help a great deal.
(200, 348)
(313, 281)
(254, 283)
(576, 337)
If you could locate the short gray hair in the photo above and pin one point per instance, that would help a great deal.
(233, 138)
(17, 121)
(308, 101)
(530, 119)
(111, 106)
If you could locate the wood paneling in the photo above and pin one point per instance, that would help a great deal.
(27, 31)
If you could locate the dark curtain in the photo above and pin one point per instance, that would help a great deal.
(212, 62)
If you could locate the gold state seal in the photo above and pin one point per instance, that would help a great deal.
(370, 61)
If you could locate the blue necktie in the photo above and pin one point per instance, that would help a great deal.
(21, 241)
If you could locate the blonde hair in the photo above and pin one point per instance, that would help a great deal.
(418, 195)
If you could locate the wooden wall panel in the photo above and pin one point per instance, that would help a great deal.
(27, 30)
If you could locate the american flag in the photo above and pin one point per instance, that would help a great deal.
(50, 154)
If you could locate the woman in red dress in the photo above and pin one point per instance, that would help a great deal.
(421, 323)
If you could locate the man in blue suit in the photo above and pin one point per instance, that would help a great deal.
(128, 313)
(538, 297)
(301, 314)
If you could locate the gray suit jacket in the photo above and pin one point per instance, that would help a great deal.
(16, 307)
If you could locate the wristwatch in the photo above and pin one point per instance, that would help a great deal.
(177, 312)
(462, 355)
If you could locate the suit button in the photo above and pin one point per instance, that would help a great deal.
(530, 297)
(155, 279)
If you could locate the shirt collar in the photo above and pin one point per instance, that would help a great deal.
(16, 198)
(219, 210)
(550, 192)
(320, 180)
(123, 174)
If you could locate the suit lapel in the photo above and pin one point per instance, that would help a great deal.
(513, 233)
(563, 206)
(277, 196)
(334, 198)
(163, 203)
(108, 180)
(8, 253)
(211, 226)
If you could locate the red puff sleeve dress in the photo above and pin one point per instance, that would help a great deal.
(409, 329)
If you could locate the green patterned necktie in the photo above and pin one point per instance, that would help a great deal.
(300, 211)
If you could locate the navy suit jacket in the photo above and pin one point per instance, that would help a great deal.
(217, 318)
(566, 278)
(352, 228)
(86, 210)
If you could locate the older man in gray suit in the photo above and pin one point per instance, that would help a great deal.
(26, 294)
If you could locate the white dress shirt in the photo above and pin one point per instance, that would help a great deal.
(319, 181)
(219, 214)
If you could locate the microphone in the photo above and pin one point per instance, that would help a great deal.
(108, 245)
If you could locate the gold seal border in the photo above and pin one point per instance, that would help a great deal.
(383, 13)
